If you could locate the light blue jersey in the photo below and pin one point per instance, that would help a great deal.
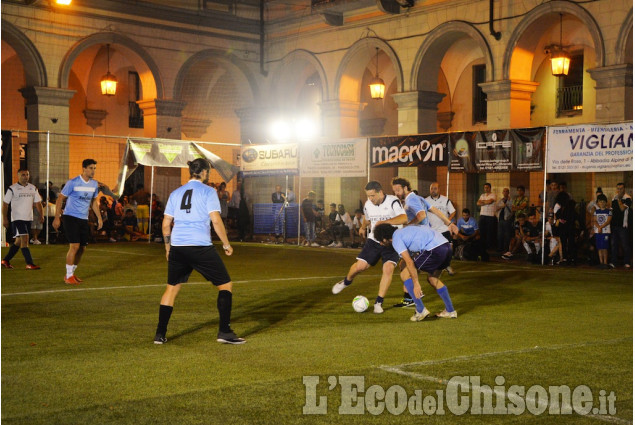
(413, 204)
(467, 227)
(80, 194)
(190, 206)
(417, 239)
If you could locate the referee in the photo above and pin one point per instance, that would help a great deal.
(188, 246)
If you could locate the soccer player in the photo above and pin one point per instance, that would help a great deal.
(421, 248)
(416, 209)
(188, 246)
(80, 194)
(378, 207)
(22, 196)
(443, 204)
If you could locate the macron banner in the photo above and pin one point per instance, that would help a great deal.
(409, 151)
(590, 148)
(335, 159)
(269, 159)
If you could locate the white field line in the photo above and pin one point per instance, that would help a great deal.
(542, 402)
(107, 288)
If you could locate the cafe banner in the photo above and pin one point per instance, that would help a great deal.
(168, 153)
(345, 158)
(590, 148)
(269, 159)
(496, 151)
(409, 151)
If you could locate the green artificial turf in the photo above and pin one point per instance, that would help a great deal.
(84, 355)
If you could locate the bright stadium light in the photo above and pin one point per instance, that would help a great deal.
(280, 130)
(305, 129)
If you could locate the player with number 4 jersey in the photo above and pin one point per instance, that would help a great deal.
(188, 246)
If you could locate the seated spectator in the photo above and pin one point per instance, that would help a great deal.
(532, 238)
(348, 221)
(358, 220)
(517, 241)
(469, 238)
(319, 216)
(129, 229)
(555, 247)
(336, 227)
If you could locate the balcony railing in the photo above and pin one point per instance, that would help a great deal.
(569, 100)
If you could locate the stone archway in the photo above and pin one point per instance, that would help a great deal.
(624, 44)
(34, 69)
(294, 63)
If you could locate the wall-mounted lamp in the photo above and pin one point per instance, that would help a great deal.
(63, 2)
(108, 81)
(560, 60)
(377, 86)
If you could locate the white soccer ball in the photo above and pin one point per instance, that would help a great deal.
(360, 303)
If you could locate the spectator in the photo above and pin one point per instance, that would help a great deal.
(470, 237)
(555, 247)
(280, 199)
(309, 215)
(142, 199)
(532, 238)
(505, 220)
(38, 220)
(244, 217)
(233, 206)
(348, 221)
(593, 205)
(565, 214)
(621, 227)
(358, 220)
(129, 227)
(223, 197)
(552, 192)
(487, 221)
(319, 215)
(336, 226)
(602, 230)
(517, 241)
(521, 202)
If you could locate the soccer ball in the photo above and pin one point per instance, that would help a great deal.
(360, 303)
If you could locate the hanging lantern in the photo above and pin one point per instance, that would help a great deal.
(560, 61)
(377, 86)
(108, 81)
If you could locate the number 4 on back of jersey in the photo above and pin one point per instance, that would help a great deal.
(186, 202)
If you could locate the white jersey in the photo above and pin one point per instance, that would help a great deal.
(390, 208)
(22, 199)
(443, 204)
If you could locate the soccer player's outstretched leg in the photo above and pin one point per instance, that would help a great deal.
(188, 246)
(421, 248)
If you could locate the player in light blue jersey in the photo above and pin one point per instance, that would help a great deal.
(80, 194)
(421, 248)
(188, 246)
(417, 209)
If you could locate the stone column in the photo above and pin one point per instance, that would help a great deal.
(613, 92)
(417, 111)
(509, 103)
(47, 109)
(162, 118)
(340, 118)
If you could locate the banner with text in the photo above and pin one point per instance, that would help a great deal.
(590, 148)
(269, 159)
(497, 151)
(335, 159)
(409, 151)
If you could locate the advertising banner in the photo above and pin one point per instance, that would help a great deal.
(590, 148)
(335, 159)
(409, 151)
(269, 159)
(528, 148)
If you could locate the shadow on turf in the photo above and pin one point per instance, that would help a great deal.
(267, 313)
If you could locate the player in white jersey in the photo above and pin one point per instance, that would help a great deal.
(443, 204)
(188, 246)
(417, 210)
(378, 208)
(22, 196)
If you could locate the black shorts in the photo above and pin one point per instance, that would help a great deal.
(204, 259)
(19, 228)
(76, 230)
(373, 251)
(437, 259)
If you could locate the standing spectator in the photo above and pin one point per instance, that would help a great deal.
(505, 220)
(309, 215)
(555, 247)
(223, 197)
(142, 199)
(487, 221)
(444, 205)
(81, 193)
(280, 200)
(319, 215)
(188, 246)
(36, 224)
(621, 226)
(233, 206)
(23, 197)
(565, 214)
(552, 192)
(602, 230)
(521, 202)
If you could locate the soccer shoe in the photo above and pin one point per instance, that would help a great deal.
(32, 267)
(338, 287)
(338, 245)
(417, 317)
(377, 308)
(6, 265)
(71, 280)
(332, 244)
(406, 302)
(447, 315)
(160, 339)
(35, 242)
(229, 338)
(78, 279)
(450, 271)
(315, 244)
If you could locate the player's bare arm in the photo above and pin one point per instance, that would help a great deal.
(166, 229)
(219, 228)
(95, 206)
(58, 211)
